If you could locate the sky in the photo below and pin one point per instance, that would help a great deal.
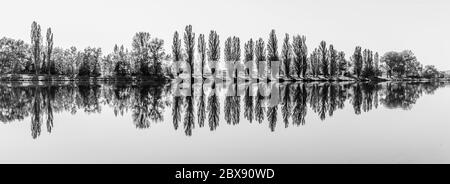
(422, 26)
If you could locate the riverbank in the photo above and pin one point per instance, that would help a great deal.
(61, 78)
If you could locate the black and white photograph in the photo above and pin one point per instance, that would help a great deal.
(224, 82)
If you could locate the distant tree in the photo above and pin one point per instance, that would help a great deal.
(122, 66)
(300, 52)
(412, 65)
(357, 61)
(189, 42)
(13, 55)
(248, 54)
(213, 48)
(156, 55)
(304, 61)
(430, 71)
(202, 52)
(176, 50)
(272, 47)
(368, 67)
(140, 48)
(36, 41)
(228, 53)
(286, 54)
(95, 63)
(50, 64)
(376, 60)
(260, 53)
(236, 52)
(323, 58)
(394, 63)
(333, 57)
(342, 63)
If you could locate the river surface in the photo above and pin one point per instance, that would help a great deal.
(319, 122)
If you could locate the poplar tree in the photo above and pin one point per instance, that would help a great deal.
(248, 54)
(357, 61)
(36, 41)
(213, 48)
(49, 50)
(286, 54)
(176, 50)
(202, 52)
(189, 42)
(323, 58)
(333, 61)
(260, 53)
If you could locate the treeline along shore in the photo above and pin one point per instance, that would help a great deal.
(200, 58)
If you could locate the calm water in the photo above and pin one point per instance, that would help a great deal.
(391, 122)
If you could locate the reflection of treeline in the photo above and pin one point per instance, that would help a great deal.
(146, 103)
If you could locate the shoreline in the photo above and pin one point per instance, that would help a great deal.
(43, 78)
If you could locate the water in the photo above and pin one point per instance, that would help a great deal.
(390, 122)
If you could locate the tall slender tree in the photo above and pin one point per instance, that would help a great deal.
(300, 55)
(236, 50)
(286, 54)
(333, 61)
(201, 46)
(49, 50)
(272, 48)
(213, 49)
(376, 60)
(304, 60)
(228, 52)
(189, 42)
(176, 51)
(140, 48)
(342, 63)
(357, 61)
(323, 58)
(156, 51)
(36, 41)
(248, 54)
(260, 54)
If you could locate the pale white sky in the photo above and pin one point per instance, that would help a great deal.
(381, 25)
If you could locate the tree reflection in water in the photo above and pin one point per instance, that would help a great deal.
(147, 102)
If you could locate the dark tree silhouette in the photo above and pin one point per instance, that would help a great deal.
(201, 112)
(176, 110)
(300, 52)
(140, 47)
(323, 58)
(286, 105)
(300, 109)
(202, 52)
(260, 54)
(248, 54)
(333, 57)
(248, 102)
(357, 61)
(36, 41)
(213, 49)
(272, 47)
(259, 109)
(189, 115)
(236, 52)
(157, 54)
(342, 63)
(213, 109)
(189, 42)
(176, 50)
(50, 64)
(357, 98)
(286, 54)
